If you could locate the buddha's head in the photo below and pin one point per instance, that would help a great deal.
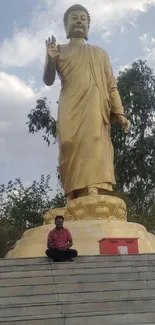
(77, 22)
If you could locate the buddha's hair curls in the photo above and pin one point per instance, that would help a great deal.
(72, 8)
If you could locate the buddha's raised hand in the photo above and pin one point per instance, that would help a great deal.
(53, 51)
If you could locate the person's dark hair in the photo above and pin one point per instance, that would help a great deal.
(59, 217)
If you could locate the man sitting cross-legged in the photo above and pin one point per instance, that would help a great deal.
(59, 243)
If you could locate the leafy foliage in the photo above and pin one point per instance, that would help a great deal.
(135, 153)
(9, 234)
(23, 207)
(59, 200)
(40, 118)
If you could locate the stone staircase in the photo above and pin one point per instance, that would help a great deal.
(93, 290)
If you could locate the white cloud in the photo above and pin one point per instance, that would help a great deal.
(22, 49)
(16, 97)
(18, 86)
(147, 41)
(121, 68)
(23, 153)
(148, 47)
(150, 57)
(27, 46)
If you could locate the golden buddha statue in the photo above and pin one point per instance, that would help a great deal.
(89, 101)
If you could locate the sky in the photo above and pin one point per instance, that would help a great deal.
(124, 28)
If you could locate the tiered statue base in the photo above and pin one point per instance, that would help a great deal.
(89, 219)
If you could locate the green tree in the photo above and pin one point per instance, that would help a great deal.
(9, 234)
(59, 200)
(40, 119)
(135, 153)
(24, 207)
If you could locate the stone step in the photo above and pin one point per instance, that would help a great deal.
(84, 271)
(108, 307)
(21, 274)
(115, 318)
(104, 277)
(74, 287)
(41, 277)
(92, 290)
(81, 259)
(22, 261)
(47, 265)
(96, 296)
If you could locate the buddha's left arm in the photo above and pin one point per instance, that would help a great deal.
(114, 96)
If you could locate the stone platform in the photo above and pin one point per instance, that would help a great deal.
(89, 219)
(86, 235)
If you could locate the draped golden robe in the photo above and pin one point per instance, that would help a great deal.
(88, 97)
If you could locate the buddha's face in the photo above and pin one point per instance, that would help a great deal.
(77, 25)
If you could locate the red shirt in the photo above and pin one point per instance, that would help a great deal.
(59, 238)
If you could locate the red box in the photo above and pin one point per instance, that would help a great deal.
(118, 246)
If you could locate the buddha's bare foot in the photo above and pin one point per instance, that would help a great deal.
(92, 191)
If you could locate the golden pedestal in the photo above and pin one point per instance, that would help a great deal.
(89, 219)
